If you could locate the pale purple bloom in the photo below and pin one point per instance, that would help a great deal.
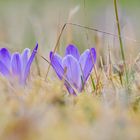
(16, 65)
(74, 68)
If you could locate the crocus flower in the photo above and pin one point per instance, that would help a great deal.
(74, 68)
(16, 65)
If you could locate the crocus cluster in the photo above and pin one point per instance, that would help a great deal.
(16, 65)
(74, 68)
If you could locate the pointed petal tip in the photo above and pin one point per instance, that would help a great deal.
(71, 46)
(25, 56)
(93, 51)
(5, 57)
(26, 49)
(56, 63)
(5, 51)
(51, 54)
(36, 46)
(72, 50)
(34, 49)
(28, 65)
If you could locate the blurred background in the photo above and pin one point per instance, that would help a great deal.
(23, 23)
(41, 111)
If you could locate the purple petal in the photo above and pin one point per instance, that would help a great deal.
(59, 58)
(4, 70)
(25, 56)
(72, 50)
(56, 62)
(5, 57)
(16, 64)
(87, 61)
(73, 73)
(28, 65)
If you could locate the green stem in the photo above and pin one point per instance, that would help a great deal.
(93, 83)
(120, 40)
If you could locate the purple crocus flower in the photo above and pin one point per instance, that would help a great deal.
(74, 68)
(16, 65)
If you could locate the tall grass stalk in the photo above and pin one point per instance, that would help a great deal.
(121, 43)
